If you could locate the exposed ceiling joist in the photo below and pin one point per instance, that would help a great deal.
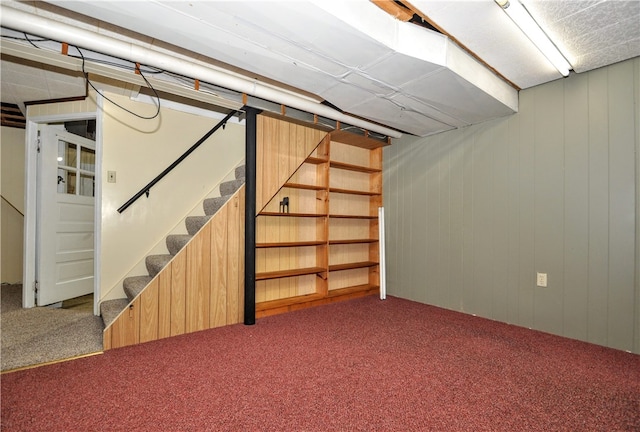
(394, 9)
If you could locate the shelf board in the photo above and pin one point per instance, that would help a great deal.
(290, 273)
(352, 241)
(352, 289)
(353, 192)
(337, 216)
(288, 301)
(316, 215)
(351, 167)
(350, 266)
(316, 160)
(304, 186)
(290, 244)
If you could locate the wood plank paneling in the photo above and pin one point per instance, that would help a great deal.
(198, 281)
(526, 209)
(513, 225)
(270, 165)
(549, 204)
(260, 160)
(622, 174)
(235, 280)
(576, 208)
(106, 339)
(276, 158)
(598, 269)
(164, 303)
(240, 253)
(500, 217)
(178, 293)
(219, 258)
(149, 312)
(125, 330)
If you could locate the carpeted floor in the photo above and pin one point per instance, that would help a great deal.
(360, 365)
(40, 335)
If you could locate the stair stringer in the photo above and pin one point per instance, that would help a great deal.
(202, 287)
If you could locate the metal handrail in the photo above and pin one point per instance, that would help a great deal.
(145, 190)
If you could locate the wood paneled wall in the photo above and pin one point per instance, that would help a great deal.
(201, 288)
(281, 148)
(474, 213)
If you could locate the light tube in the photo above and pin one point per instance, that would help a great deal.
(532, 30)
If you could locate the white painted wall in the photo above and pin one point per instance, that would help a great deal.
(11, 214)
(473, 214)
(137, 150)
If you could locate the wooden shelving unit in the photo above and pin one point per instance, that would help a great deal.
(355, 193)
(324, 246)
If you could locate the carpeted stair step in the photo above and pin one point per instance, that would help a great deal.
(175, 242)
(230, 187)
(240, 172)
(194, 223)
(110, 309)
(134, 285)
(155, 263)
(212, 205)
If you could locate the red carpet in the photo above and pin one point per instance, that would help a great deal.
(358, 365)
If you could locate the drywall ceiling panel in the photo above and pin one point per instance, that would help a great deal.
(23, 81)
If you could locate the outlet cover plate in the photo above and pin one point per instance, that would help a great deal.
(541, 279)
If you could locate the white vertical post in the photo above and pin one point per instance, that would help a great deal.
(381, 246)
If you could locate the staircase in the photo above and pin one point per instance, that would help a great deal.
(133, 286)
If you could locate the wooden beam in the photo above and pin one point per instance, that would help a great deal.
(394, 9)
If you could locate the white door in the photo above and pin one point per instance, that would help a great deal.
(65, 220)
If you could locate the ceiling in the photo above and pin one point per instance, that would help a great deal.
(354, 55)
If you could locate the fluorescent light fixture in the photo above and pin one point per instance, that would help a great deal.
(532, 30)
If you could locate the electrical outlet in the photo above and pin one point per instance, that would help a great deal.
(541, 279)
(111, 176)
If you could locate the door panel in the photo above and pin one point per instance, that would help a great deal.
(65, 216)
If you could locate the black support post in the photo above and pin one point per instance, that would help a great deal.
(250, 217)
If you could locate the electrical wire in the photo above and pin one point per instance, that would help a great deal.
(89, 59)
(106, 62)
(181, 78)
(115, 64)
(25, 39)
(29, 40)
(86, 77)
